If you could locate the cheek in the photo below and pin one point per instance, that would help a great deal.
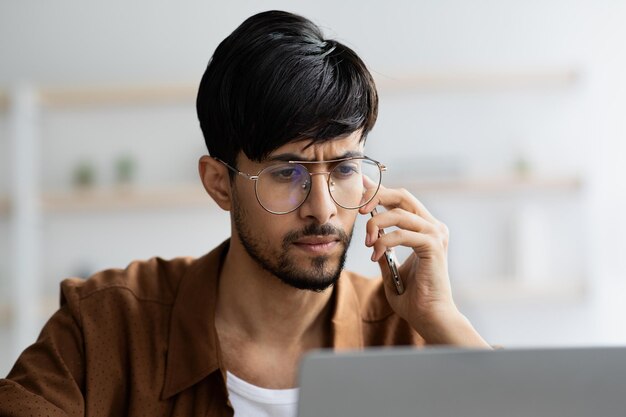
(265, 225)
(246, 201)
(348, 218)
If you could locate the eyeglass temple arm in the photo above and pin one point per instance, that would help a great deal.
(236, 171)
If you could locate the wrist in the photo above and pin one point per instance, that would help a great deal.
(448, 327)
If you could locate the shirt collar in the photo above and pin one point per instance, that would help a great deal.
(194, 351)
(347, 325)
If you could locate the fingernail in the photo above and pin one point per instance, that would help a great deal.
(374, 257)
(367, 240)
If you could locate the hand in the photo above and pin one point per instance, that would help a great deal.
(427, 303)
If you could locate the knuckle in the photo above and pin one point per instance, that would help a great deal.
(379, 245)
(444, 230)
(444, 236)
(432, 241)
(396, 211)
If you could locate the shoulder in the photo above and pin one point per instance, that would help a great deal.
(153, 280)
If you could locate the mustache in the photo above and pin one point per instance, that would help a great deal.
(316, 230)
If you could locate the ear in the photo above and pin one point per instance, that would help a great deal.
(214, 176)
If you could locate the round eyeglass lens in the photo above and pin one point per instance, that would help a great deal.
(353, 183)
(283, 187)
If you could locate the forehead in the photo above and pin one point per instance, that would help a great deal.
(330, 149)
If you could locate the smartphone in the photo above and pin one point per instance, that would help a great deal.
(392, 262)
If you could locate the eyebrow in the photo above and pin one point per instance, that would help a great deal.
(286, 157)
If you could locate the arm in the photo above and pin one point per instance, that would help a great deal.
(48, 377)
(427, 303)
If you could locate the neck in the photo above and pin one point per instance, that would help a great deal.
(258, 307)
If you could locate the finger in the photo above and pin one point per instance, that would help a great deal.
(398, 218)
(422, 244)
(370, 188)
(398, 198)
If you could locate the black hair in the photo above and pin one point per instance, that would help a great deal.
(275, 80)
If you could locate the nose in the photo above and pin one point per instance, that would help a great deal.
(319, 204)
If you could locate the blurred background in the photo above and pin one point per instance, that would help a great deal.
(506, 118)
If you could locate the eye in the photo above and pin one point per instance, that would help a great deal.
(346, 170)
(285, 173)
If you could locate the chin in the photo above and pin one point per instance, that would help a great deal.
(323, 273)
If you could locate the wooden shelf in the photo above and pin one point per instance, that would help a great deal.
(156, 94)
(123, 198)
(478, 80)
(119, 198)
(489, 185)
(112, 95)
(508, 290)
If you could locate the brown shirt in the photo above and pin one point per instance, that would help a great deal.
(142, 342)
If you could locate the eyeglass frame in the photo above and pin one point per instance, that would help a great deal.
(381, 167)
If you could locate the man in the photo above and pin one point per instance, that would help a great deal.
(285, 114)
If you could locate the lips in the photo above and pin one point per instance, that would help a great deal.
(317, 240)
(317, 244)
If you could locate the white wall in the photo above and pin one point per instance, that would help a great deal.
(573, 129)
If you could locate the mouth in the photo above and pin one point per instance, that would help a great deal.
(317, 244)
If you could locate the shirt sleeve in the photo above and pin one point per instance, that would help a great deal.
(48, 377)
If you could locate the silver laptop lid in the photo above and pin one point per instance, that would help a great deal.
(574, 382)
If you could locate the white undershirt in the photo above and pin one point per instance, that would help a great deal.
(251, 401)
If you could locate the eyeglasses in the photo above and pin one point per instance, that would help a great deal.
(282, 187)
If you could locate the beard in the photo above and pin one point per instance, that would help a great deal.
(319, 275)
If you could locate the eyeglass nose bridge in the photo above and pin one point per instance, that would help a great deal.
(328, 182)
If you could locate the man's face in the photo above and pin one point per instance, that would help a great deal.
(306, 248)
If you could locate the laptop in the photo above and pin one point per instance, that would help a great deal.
(445, 382)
